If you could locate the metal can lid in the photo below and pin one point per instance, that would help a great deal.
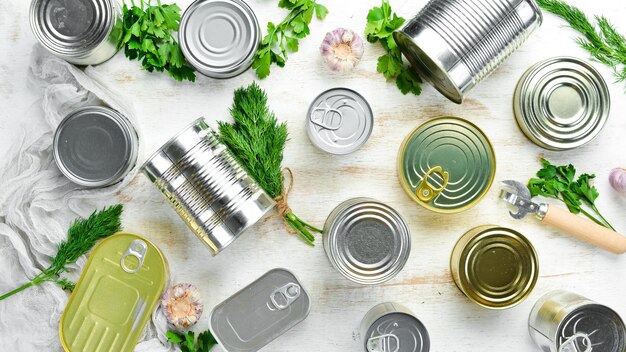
(394, 329)
(367, 241)
(494, 266)
(339, 121)
(447, 164)
(593, 325)
(260, 312)
(561, 103)
(219, 37)
(95, 146)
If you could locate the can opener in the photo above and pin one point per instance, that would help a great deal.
(517, 194)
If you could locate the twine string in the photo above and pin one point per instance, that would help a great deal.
(282, 205)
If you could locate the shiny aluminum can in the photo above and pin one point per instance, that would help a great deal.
(563, 321)
(561, 103)
(367, 241)
(494, 266)
(392, 327)
(207, 187)
(219, 37)
(82, 32)
(455, 44)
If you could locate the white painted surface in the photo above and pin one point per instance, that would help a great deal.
(323, 181)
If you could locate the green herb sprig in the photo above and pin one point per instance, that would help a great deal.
(81, 237)
(148, 37)
(559, 182)
(381, 23)
(257, 141)
(205, 341)
(604, 42)
(285, 36)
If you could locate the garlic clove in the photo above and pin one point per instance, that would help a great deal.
(182, 305)
(617, 179)
(342, 49)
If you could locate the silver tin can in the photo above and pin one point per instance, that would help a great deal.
(367, 241)
(561, 103)
(260, 312)
(392, 327)
(339, 121)
(83, 32)
(95, 146)
(454, 44)
(562, 321)
(219, 37)
(210, 191)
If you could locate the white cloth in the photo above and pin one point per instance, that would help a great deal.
(37, 204)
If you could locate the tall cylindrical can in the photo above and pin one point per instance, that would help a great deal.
(565, 321)
(83, 32)
(455, 44)
(392, 327)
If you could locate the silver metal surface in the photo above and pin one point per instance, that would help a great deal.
(95, 146)
(520, 197)
(83, 32)
(339, 121)
(211, 192)
(219, 37)
(251, 319)
(454, 44)
(561, 103)
(392, 327)
(367, 241)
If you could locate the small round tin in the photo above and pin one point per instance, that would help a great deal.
(339, 121)
(561, 103)
(95, 146)
(446, 165)
(564, 321)
(494, 266)
(392, 327)
(219, 37)
(367, 241)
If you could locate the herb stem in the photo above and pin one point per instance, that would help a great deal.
(595, 209)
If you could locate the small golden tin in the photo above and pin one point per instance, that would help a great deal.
(494, 266)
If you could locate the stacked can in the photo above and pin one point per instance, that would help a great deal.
(211, 192)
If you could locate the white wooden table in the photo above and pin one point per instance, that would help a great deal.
(323, 181)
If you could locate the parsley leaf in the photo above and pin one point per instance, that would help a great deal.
(185, 340)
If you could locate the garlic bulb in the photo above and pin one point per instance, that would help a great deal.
(617, 179)
(182, 305)
(342, 49)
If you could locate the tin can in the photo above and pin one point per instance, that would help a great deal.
(494, 266)
(82, 32)
(563, 321)
(339, 121)
(367, 241)
(259, 313)
(210, 191)
(392, 327)
(561, 103)
(95, 146)
(115, 295)
(455, 44)
(446, 165)
(219, 37)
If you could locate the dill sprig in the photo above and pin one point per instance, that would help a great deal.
(81, 237)
(257, 141)
(602, 40)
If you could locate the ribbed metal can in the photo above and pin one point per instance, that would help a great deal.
(82, 32)
(454, 44)
(392, 327)
(207, 187)
(563, 321)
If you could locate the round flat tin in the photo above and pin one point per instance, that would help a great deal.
(367, 241)
(339, 121)
(495, 267)
(95, 146)
(446, 165)
(391, 327)
(561, 103)
(219, 37)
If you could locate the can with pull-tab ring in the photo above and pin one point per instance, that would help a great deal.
(392, 327)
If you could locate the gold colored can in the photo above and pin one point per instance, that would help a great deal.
(494, 266)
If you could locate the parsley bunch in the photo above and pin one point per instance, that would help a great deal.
(381, 23)
(559, 182)
(205, 342)
(148, 37)
(284, 37)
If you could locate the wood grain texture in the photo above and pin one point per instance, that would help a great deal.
(323, 181)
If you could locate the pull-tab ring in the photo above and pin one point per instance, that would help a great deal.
(288, 293)
(136, 249)
(425, 191)
(328, 114)
(570, 344)
(382, 343)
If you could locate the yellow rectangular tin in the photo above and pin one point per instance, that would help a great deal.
(115, 295)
